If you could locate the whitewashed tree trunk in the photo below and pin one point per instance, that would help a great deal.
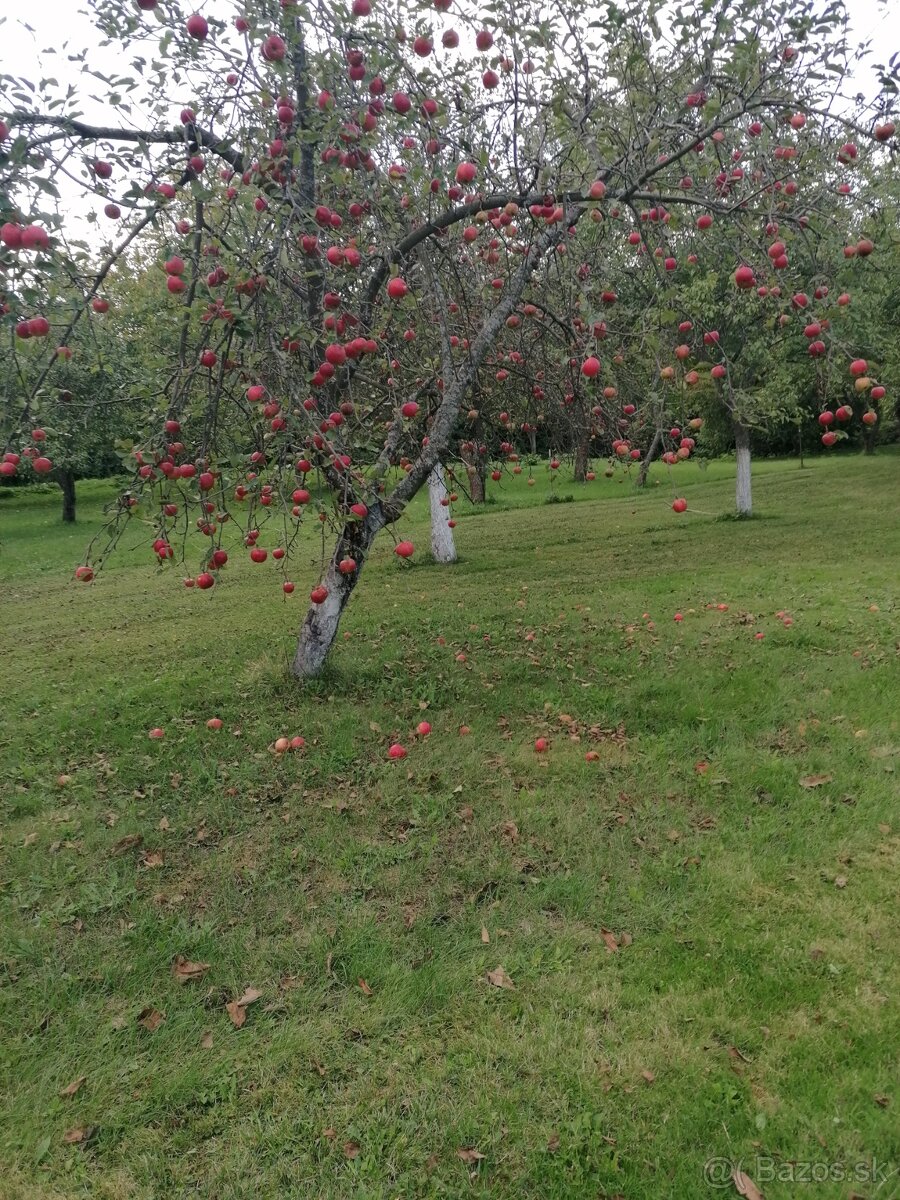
(443, 547)
(320, 627)
(743, 494)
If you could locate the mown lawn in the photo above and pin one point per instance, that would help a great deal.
(700, 925)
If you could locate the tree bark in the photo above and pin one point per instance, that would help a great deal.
(66, 480)
(652, 451)
(320, 627)
(743, 494)
(582, 455)
(475, 472)
(443, 547)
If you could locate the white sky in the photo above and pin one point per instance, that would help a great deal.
(56, 22)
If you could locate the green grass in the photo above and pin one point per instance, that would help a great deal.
(758, 992)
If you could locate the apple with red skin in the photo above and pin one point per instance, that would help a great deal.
(84, 574)
(156, 733)
(423, 729)
(744, 278)
(214, 723)
(319, 594)
(870, 417)
(590, 368)
(397, 751)
(397, 288)
(679, 505)
(829, 438)
(197, 27)
(404, 549)
(287, 587)
(541, 745)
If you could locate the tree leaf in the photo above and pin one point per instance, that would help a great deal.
(499, 978)
(184, 970)
(814, 781)
(470, 1155)
(73, 1087)
(150, 1018)
(745, 1186)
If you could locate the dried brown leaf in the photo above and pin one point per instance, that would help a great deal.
(73, 1087)
(129, 842)
(351, 1149)
(184, 970)
(152, 859)
(840, 881)
(485, 936)
(150, 1018)
(237, 1009)
(553, 1143)
(609, 939)
(206, 1040)
(814, 781)
(745, 1186)
(648, 1077)
(81, 1133)
(499, 978)
(470, 1155)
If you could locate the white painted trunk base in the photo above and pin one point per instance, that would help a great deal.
(743, 493)
(443, 547)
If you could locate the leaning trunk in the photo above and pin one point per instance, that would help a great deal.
(652, 452)
(320, 626)
(743, 493)
(66, 480)
(443, 547)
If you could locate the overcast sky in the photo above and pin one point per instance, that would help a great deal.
(56, 22)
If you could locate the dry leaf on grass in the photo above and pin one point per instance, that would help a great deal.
(469, 1155)
(609, 939)
(150, 1018)
(237, 1009)
(814, 781)
(129, 842)
(206, 1040)
(648, 1077)
(364, 987)
(485, 936)
(152, 859)
(745, 1186)
(553, 1143)
(499, 978)
(351, 1149)
(184, 970)
(81, 1133)
(73, 1087)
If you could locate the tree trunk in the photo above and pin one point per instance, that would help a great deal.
(320, 627)
(582, 455)
(443, 547)
(743, 492)
(475, 472)
(869, 438)
(532, 440)
(66, 480)
(652, 452)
